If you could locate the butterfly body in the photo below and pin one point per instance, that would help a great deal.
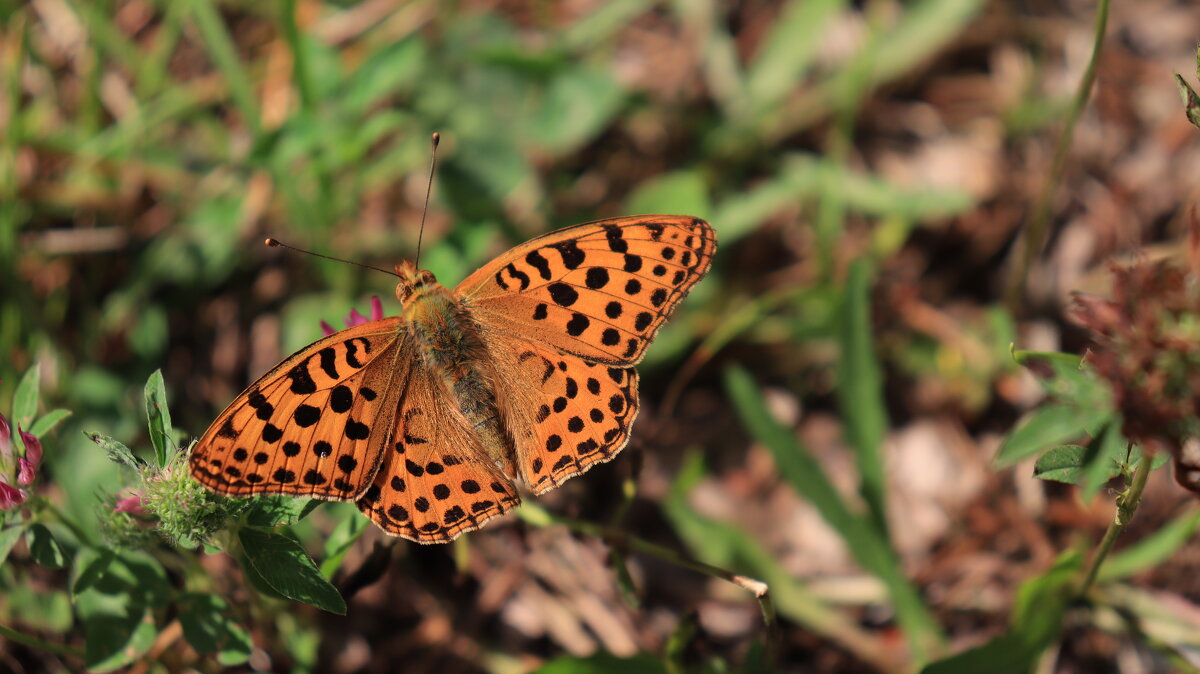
(524, 372)
(448, 342)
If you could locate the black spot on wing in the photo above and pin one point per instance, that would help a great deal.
(340, 399)
(227, 430)
(562, 294)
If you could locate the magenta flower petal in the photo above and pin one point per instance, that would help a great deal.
(33, 447)
(24, 472)
(10, 497)
(131, 504)
(355, 318)
(5, 439)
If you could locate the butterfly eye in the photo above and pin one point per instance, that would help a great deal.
(403, 291)
(427, 278)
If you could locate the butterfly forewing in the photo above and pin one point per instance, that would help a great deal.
(315, 425)
(599, 290)
(437, 480)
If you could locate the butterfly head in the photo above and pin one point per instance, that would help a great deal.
(412, 281)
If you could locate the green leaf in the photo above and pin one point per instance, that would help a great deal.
(8, 538)
(860, 390)
(159, 417)
(681, 193)
(339, 542)
(1002, 655)
(1064, 463)
(271, 511)
(602, 663)
(1152, 550)
(258, 582)
(1065, 377)
(91, 567)
(25, 399)
(131, 578)
(808, 478)
(48, 421)
(117, 451)
(209, 627)
(287, 569)
(1110, 448)
(579, 103)
(117, 640)
(1049, 425)
(45, 549)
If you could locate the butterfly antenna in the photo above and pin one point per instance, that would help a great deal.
(437, 137)
(276, 243)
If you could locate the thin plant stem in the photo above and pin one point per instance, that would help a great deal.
(624, 541)
(1127, 504)
(1033, 238)
(80, 535)
(34, 642)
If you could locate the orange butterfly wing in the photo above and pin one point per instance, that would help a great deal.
(437, 481)
(315, 425)
(599, 290)
(565, 316)
(567, 414)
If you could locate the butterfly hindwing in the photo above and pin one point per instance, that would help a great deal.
(599, 290)
(311, 426)
(436, 481)
(565, 413)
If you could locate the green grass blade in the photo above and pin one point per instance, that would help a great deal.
(220, 47)
(808, 478)
(860, 390)
(300, 71)
(788, 50)
(727, 545)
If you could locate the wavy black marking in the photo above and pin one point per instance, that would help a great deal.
(535, 260)
(329, 361)
(352, 353)
(518, 275)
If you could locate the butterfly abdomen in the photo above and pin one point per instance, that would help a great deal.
(449, 343)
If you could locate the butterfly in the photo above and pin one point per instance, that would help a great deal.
(428, 420)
